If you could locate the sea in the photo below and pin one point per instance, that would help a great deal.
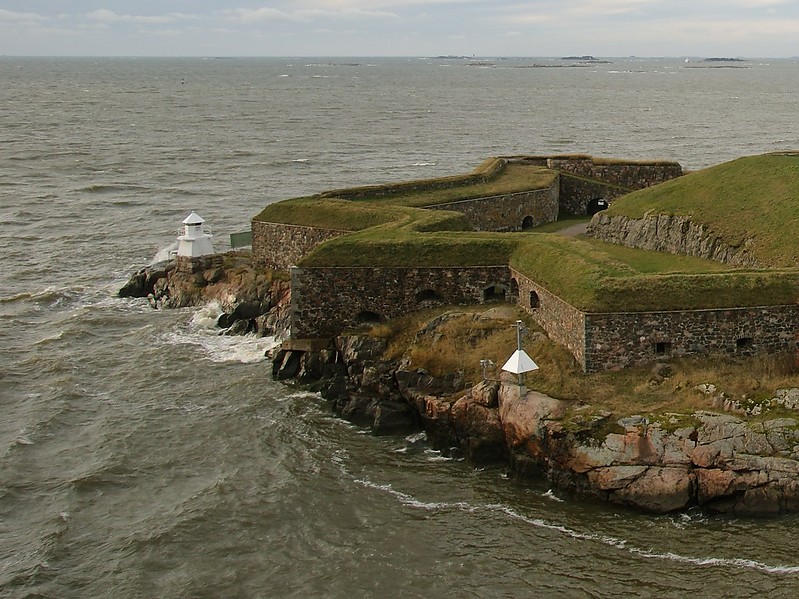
(143, 455)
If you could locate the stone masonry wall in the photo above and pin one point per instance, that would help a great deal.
(669, 233)
(325, 301)
(507, 212)
(636, 176)
(279, 246)
(632, 175)
(575, 193)
(619, 340)
(564, 323)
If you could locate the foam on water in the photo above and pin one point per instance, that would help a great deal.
(202, 332)
(165, 253)
(608, 540)
(208, 483)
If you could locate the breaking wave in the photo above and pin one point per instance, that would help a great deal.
(608, 540)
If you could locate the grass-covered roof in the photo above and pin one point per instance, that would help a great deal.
(751, 198)
(752, 202)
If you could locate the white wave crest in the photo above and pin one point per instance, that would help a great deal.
(207, 316)
(550, 494)
(165, 253)
(203, 333)
(621, 544)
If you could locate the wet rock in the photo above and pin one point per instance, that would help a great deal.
(478, 430)
(286, 365)
(659, 490)
(142, 283)
(240, 327)
(394, 417)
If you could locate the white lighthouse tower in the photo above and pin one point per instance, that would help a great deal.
(194, 241)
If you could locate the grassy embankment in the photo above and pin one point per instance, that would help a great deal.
(473, 333)
(752, 200)
(389, 229)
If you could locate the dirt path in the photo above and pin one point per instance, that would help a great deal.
(573, 230)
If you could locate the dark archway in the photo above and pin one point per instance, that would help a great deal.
(429, 297)
(527, 223)
(596, 205)
(368, 318)
(495, 293)
(514, 291)
(534, 300)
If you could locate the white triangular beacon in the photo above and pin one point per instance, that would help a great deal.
(194, 241)
(519, 362)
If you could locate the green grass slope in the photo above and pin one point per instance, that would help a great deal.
(751, 201)
(754, 199)
(363, 207)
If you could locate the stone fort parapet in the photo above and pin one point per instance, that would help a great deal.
(327, 300)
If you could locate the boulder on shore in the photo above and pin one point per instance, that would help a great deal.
(718, 462)
(252, 300)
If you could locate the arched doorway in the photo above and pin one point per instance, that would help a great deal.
(596, 205)
(534, 300)
(527, 223)
(495, 293)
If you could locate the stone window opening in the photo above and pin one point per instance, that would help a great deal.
(662, 348)
(527, 223)
(368, 318)
(535, 301)
(495, 293)
(744, 343)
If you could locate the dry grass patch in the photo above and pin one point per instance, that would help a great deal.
(442, 341)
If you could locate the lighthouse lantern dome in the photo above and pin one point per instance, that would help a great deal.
(194, 241)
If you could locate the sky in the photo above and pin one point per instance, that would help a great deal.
(490, 28)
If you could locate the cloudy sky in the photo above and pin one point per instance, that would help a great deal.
(746, 28)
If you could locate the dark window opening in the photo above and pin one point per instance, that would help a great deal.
(527, 223)
(744, 343)
(514, 291)
(534, 300)
(662, 348)
(596, 205)
(368, 318)
(429, 296)
(495, 293)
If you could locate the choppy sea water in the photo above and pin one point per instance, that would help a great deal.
(142, 455)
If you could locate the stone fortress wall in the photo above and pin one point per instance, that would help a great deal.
(278, 246)
(581, 179)
(618, 340)
(327, 300)
(509, 212)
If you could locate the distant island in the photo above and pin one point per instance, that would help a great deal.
(586, 58)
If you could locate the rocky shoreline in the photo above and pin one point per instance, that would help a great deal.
(718, 461)
(251, 301)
